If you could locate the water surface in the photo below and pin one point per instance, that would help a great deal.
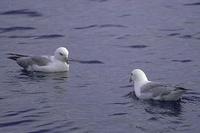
(107, 38)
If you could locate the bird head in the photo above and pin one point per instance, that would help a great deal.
(137, 75)
(62, 54)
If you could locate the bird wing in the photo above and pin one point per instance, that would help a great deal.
(157, 89)
(25, 62)
(41, 60)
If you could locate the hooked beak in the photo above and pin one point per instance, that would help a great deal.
(66, 60)
(130, 79)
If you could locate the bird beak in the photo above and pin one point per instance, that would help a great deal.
(130, 79)
(66, 60)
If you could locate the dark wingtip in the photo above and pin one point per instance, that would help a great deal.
(14, 56)
(181, 88)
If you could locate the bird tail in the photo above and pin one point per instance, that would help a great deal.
(178, 92)
(181, 89)
(14, 56)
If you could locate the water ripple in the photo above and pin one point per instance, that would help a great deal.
(192, 98)
(74, 128)
(121, 103)
(32, 116)
(87, 61)
(141, 128)
(165, 108)
(131, 95)
(15, 123)
(101, 26)
(192, 4)
(193, 93)
(26, 76)
(173, 34)
(124, 36)
(51, 36)
(183, 61)
(86, 27)
(99, 0)
(15, 28)
(41, 131)
(1, 98)
(18, 112)
(27, 12)
(55, 125)
(126, 86)
(46, 124)
(153, 119)
(112, 25)
(186, 36)
(17, 36)
(118, 114)
(175, 29)
(137, 46)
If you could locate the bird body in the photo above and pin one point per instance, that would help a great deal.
(145, 89)
(56, 63)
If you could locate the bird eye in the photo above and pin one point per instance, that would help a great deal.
(131, 74)
(61, 54)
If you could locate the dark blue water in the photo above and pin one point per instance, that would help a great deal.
(110, 38)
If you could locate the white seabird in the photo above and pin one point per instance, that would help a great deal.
(56, 63)
(145, 89)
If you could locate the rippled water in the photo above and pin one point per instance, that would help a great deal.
(109, 38)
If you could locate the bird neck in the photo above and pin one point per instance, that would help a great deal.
(138, 85)
(56, 59)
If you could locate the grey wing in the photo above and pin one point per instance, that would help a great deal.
(157, 89)
(25, 62)
(41, 60)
